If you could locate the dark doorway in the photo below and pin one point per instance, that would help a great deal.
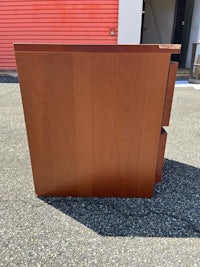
(182, 25)
(142, 28)
(179, 21)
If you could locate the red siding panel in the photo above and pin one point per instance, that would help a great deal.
(48, 21)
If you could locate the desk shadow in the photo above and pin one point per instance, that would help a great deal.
(174, 210)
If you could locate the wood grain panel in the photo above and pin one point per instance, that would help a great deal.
(93, 120)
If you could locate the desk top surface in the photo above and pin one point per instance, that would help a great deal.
(144, 48)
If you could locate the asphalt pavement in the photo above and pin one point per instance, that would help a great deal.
(162, 231)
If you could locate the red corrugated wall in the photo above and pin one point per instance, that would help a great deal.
(48, 21)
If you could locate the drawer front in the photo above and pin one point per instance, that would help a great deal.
(169, 93)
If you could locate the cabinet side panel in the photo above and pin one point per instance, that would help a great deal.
(93, 120)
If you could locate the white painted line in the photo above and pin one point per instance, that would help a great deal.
(188, 85)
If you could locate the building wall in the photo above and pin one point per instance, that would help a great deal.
(129, 23)
(158, 21)
(88, 22)
(195, 32)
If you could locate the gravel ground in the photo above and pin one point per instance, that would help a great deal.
(162, 231)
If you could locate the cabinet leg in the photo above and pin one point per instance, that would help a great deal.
(161, 152)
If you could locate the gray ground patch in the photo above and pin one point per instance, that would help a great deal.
(162, 231)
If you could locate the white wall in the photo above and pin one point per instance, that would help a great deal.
(158, 21)
(195, 31)
(129, 21)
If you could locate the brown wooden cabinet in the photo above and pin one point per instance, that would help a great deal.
(94, 116)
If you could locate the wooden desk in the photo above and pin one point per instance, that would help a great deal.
(94, 116)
